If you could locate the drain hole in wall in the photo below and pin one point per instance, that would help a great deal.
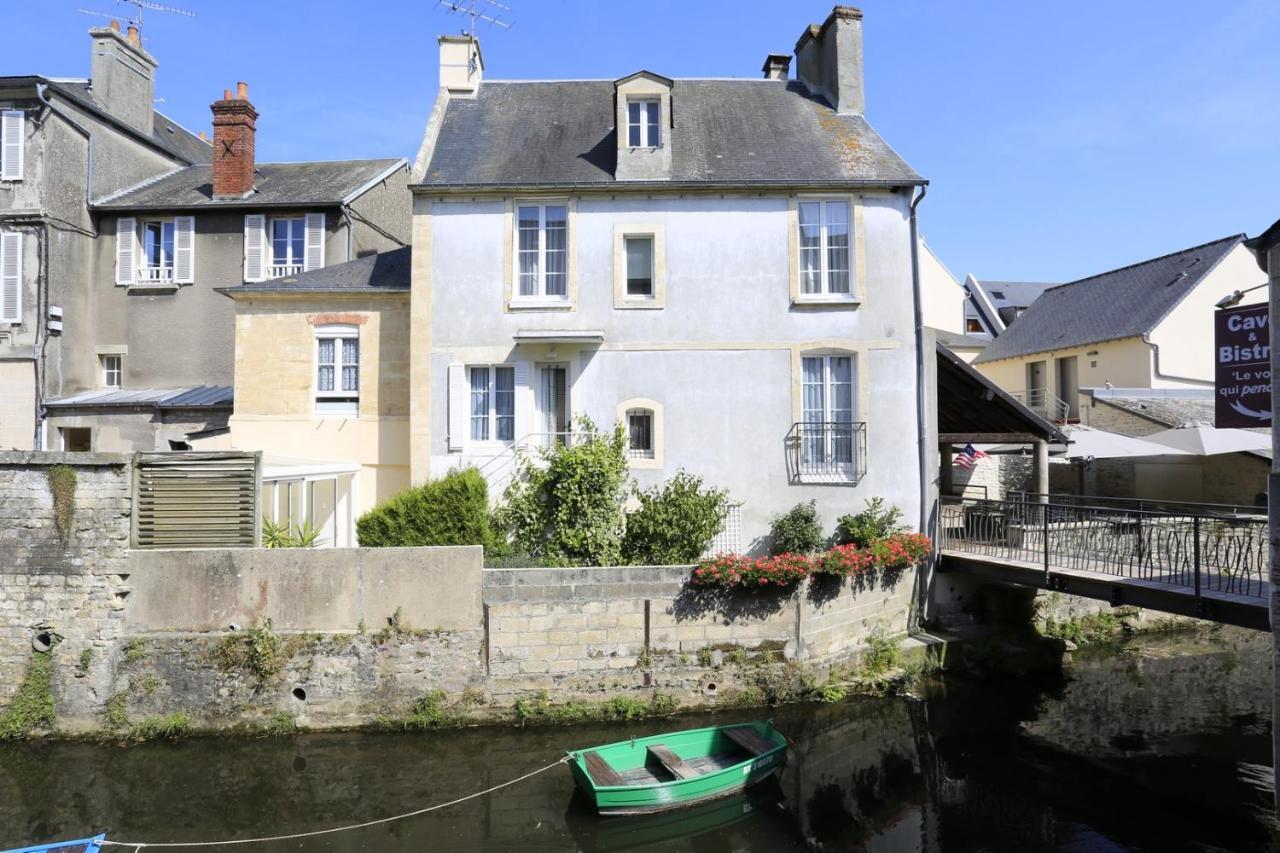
(710, 688)
(233, 627)
(42, 641)
(300, 694)
(299, 763)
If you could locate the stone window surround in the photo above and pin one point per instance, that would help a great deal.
(511, 303)
(656, 460)
(858, 292)
(657, 231)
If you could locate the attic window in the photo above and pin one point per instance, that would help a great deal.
(643, 129)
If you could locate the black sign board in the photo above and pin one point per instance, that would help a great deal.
(1242, 348)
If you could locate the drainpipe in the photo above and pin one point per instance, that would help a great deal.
(1155, 351)
(922, 425)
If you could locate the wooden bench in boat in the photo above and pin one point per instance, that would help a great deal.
(749, 739)
(600, 770)
(675, 764)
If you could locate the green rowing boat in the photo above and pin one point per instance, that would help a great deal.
(677, 769)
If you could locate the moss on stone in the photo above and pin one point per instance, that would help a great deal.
(62, 486)
(32, 707)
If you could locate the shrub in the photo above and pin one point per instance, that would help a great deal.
(564, 506)
(845, 561)
(452, 510)
(874, 522)
(729, 571)
(900, 551)
(675, 522)
(282, 536)
(797, 530)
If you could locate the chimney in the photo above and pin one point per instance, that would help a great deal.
(461, 65)
(776, 66)
(124, 76)
(234, 123)
(829, 60)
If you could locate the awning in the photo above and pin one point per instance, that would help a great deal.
(1209, 441)
(286, 468)
(559, 336)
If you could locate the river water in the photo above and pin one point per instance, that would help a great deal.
(1160, 744)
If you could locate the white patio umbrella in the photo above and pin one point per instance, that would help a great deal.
(1100, 444)
(1203, 440)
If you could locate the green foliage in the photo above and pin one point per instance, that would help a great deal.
(737, 656)
(282, 723)
(539, 710)
(282, 536)
(135, 650)
(779, 685)
(675, 522)
(874, 522)
(428, 712)
(1084, 630)
(796, 531)
(115, 713)
(451, 510)
(62, 485)
(883, 655)
(564, 506)
(704, 657)
(86, 661)
(170, 726)
(833, 693)
(258, 651)
(32, 706)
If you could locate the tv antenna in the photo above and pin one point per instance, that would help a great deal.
(135, 20)
(488, 11)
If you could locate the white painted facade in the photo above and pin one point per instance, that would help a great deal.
(721, 359)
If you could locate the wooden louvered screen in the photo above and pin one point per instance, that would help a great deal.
(196, 500)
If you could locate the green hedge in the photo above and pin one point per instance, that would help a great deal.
(453, 510)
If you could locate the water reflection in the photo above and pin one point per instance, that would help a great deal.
(1165, 746)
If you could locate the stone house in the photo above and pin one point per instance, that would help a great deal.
(137, 344)
(1147, 325)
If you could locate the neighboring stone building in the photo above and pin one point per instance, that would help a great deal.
(116, 228)
(63, 143)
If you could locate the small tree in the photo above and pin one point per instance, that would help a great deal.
(874, 522)
(796, 531)
(564, 506)
(675, 522)
(453, 510)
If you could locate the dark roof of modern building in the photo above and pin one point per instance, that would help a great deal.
(385, 272)
(955, 340)
(1015, 293)
(1122, 303)
(729, 132)
(166, 134)
(328, 182)
(972, 406)
(198, 396)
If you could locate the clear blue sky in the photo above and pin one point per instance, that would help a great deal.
(1060, 139)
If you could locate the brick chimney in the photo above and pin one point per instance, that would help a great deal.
(777, 66)
(234, 123)
(829, 60)
(124, 76)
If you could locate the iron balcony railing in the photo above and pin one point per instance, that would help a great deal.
(833, 452)
(1193, 550)
(1143, 504)
(1044, 404)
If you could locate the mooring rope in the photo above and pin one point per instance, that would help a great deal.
(141, 845)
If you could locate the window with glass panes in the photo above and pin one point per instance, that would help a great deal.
(112, 370)
(157, 245)
(639, 254)
(288, 241)
(824, 248)
(542, 250)
(640, 433)
(493, 402)
(828, 409)
(643, 123)
(337, 370)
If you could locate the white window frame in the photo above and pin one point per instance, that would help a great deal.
(291, 265)
(634, 452)
(654, 457)
(651, 239)
(828, 451)
(105, 361)
(336, 402)
(163, 274)
(824, 292)
(540, 295)
(491, 412)
(643, 123)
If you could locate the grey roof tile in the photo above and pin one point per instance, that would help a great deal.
(385, 272)
(275, 185)
(955, 340)
(166, 133)
(726, 131)
(163, 398)
(1122, 303)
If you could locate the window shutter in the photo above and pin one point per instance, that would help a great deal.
(184, 249)
(126, 250)
(525, 410)
(459, 405)
(314, 256)
(11, 277)
(11, 133)
(255, 247)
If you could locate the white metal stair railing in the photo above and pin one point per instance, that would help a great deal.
(499, 470)
(1044, 404)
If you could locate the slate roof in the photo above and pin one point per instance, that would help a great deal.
(1122, 303)
(166, 134)
(1169, 411)
(385, 272)
(199, 396)
(955, 340)
(275, 185)
(735, 132)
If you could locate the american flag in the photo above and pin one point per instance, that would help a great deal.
(969, 456)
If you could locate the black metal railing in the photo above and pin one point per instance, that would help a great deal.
(828, 452)
(1201, 552)
(1144, 504)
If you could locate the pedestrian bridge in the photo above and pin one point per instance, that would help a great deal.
(1206, 561)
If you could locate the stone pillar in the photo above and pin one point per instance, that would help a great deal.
(1040, 478)
(946, 451)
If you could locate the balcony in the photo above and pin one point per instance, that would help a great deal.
(282, 270)
(827, 453)
(1045, 405)
(155, 275)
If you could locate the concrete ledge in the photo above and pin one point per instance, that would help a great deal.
(37, 458)
(322, 589)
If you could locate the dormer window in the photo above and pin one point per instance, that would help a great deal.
(643, 124)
